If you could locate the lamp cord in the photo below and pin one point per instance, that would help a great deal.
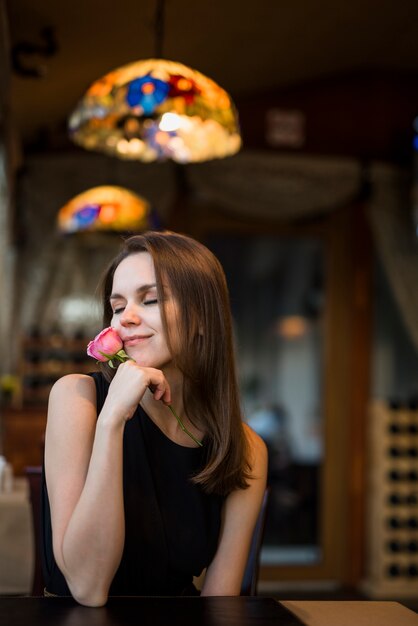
(159, 28)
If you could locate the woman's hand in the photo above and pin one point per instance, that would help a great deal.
(129, 385)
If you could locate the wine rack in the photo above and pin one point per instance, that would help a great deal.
(392, 520)
(47, 358)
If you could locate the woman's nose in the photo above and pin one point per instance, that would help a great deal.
(130, 316)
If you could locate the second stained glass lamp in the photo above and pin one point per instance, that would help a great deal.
(155, 110)
(106, 208)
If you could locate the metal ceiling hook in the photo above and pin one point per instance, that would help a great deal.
(25, 50)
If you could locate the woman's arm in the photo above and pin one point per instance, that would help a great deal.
(224, 575)
(83, 464)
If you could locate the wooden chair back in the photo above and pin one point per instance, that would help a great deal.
(34, 476)
(250, 580)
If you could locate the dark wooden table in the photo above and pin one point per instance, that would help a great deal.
(131, 611)
(219, 611)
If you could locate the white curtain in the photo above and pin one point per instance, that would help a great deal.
(395, 238)
(268, 185)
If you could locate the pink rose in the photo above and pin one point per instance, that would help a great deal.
(105, 346)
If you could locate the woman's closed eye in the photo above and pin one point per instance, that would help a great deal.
(148, 302)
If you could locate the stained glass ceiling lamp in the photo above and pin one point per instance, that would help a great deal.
(157, 110)
(105, 208)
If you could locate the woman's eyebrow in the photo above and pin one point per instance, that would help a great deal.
(140, 290)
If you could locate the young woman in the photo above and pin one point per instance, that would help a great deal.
(132, 504)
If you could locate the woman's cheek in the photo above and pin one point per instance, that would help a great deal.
(114, 322)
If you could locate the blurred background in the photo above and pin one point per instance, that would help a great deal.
(314, 218)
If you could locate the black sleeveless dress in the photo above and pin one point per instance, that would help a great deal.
(171, 525)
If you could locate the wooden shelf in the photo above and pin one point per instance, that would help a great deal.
(45, 359)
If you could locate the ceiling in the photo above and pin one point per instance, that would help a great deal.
(247, 47)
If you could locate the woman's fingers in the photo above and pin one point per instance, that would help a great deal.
(161, 391)
(154, 379)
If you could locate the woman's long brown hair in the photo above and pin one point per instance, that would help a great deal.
(205, 355)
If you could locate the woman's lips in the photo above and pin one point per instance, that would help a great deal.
(133, 341)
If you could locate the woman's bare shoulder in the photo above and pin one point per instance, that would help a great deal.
(257, 451)
(255, 442)
(72, 394)
(80, 384)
